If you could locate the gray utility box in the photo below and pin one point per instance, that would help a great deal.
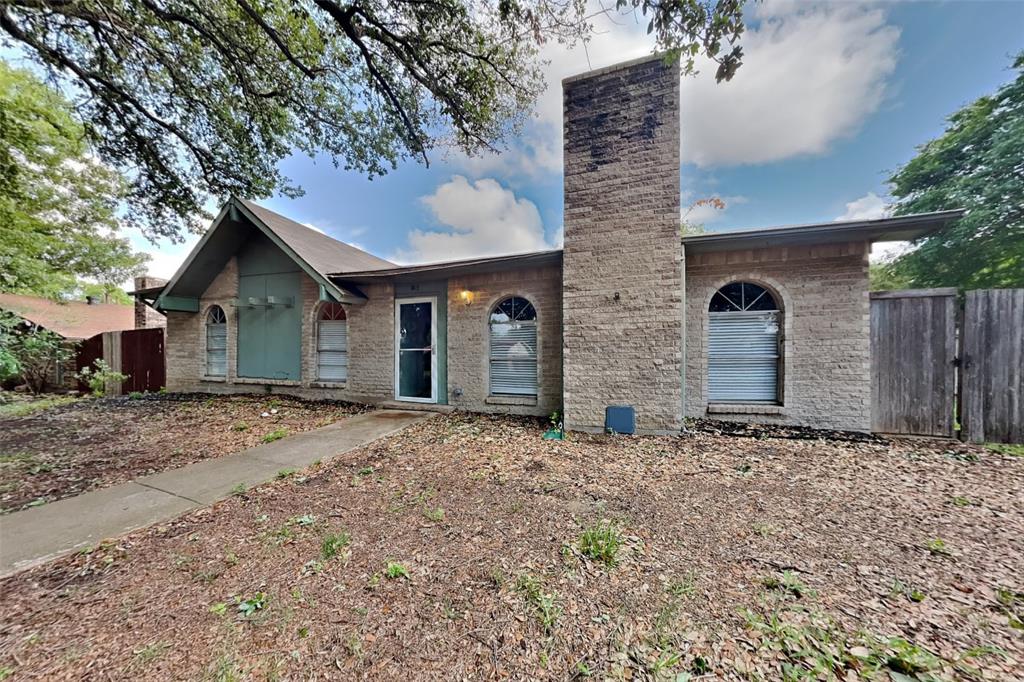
(620, 419)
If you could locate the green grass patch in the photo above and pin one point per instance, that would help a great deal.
(601, 543)
(276, 434)
(23, 408)
(1011, 449)
(332, 545)
(545, 604)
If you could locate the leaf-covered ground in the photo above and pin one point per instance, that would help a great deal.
(459, 549)
(71, 447)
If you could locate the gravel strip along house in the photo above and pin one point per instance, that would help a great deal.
(763, 325)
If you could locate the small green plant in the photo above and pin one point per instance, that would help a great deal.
(304, 521)
(97, 377)
(544, 603)
(276, 434)
(436, 515)
(151, 652)
(365, 471)
(601, 542)
(248, 607)
(765, 529)
(789, 583)
(332, 545)
(240, 426)
(911, 593)
(239, 489)
(395, 570)
(682, 587)
(135, 395)
(219, 609)
(937, 546)
(285, 473)
(959, 501)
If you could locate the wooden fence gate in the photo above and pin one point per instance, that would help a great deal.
(139, 353)
(913, 367)
(993, 366)
(925, 352)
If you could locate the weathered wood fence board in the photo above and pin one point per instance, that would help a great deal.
(993, 366)
(139, 353)
(913, 348)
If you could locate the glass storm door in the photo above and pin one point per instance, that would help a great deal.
(416, 346)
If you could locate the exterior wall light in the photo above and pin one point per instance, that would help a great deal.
(467, 296)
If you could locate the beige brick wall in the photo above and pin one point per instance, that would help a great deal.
(468, 338)
(826, 330)
(622, 300)
(371, 346)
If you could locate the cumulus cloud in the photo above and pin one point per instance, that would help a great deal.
(812, 73)
(867, 207)
(479, 218)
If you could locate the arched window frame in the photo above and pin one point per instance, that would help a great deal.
(331, 343)
(216, 331)
(758, 300)
(512, 375)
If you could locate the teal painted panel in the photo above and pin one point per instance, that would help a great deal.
(185, 304)
(260, 256)
(270, 337)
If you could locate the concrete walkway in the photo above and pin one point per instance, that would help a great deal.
(36, 535)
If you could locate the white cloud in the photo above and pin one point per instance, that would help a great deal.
(868, 207)
(811, 75)
(479, 218)
(314, 227)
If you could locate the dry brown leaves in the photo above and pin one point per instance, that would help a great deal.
(67, 450)
(733, 549)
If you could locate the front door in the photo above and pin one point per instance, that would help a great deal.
(416, 349)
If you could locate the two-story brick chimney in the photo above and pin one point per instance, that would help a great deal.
(622, 269)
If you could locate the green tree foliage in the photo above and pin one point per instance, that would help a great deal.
(977, 164)
(201, 98)
(57, 204)
(29, 352)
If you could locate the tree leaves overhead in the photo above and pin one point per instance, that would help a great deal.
(57, 204)
(201, 98)
(977, 164)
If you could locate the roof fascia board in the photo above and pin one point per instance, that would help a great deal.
(435, 270)
(339, 294)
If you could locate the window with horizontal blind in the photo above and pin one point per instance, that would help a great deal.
(743, 345)
(332, 343)
(216, 342)
(513, 348)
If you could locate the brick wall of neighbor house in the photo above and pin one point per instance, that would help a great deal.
(622, 301)
(468, 339)
(145, 316)
(826, 377)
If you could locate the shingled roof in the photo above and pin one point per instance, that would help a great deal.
(71, 319)
(324, 254)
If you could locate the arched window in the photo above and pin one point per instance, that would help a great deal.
(216, 342)
(513, 348)
(332, 343)
(743, 345)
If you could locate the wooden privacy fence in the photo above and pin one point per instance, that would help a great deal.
(139, 353)
(934, 363)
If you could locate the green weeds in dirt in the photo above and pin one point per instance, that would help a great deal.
(545, 604)
(285, 473)
(19, 408)
(251, 605)
(395, 570)
(276, 434)
(436, 514)
(911, 593)
(937, 546)
(788, 584)
(601, 542)
(333, 545)
(1009, 449)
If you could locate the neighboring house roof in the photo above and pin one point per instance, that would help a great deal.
(325, 254)
(71, 319)
(879, 230)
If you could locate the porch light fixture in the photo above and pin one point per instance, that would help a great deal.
(467, 296)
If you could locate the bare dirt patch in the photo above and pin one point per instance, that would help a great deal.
(67, 449)
(469, 548)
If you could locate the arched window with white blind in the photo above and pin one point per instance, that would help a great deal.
(216, 342)
(744, 345)
(332, 343)
(513, 348)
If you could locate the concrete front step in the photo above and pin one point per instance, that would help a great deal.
(417, 407)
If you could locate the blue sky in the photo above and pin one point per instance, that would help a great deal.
(832, 98)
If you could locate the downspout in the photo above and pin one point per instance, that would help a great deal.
(682, 365)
